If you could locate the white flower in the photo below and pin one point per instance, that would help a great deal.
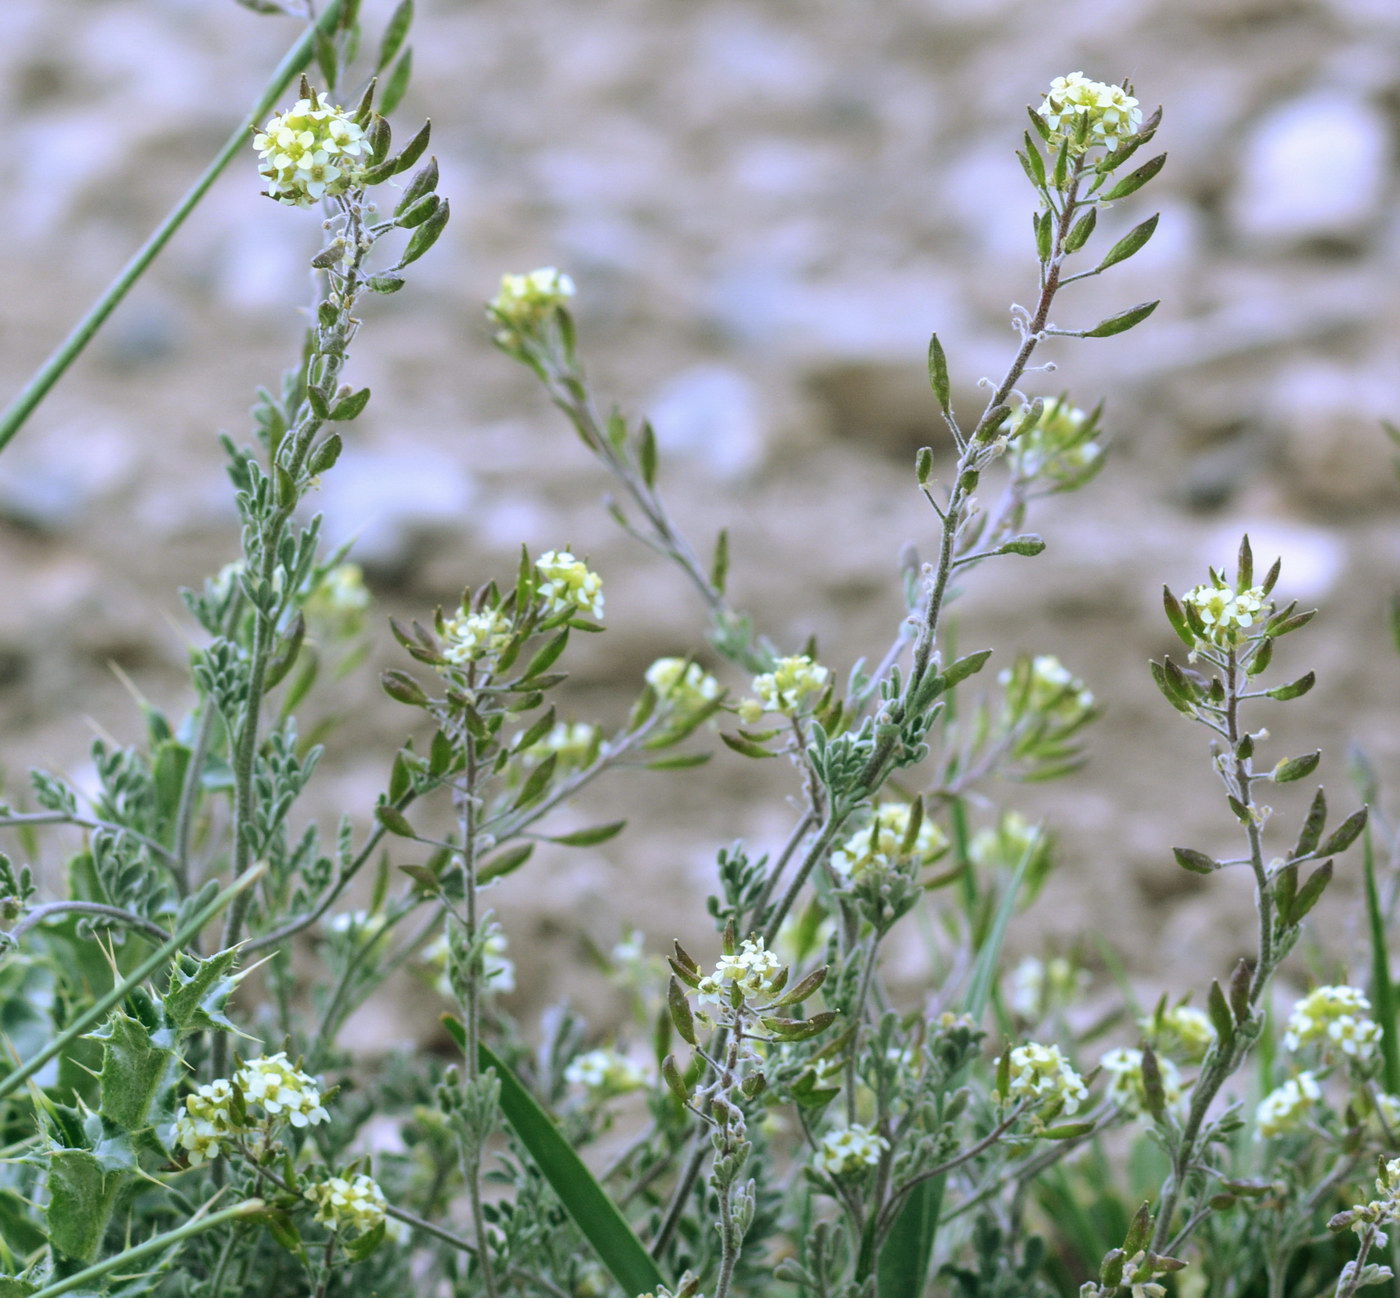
(473, 636)
(341, 595)
(1044, 684)
(1286, 1108)
(1226, 614)
(786, 688)
(281, 1090)
(1126, 1087)
(573, 743)
(357, 1202)
(525, 300)
(1038, 988)
(753, 969)
(1338, 1018)
(606, 1072)
(1060, 447)
(849, 1151)
(309, 152)
(682, 685)
(497, 969)
(1182, 1030)
(878, 848)
(207, 1126)
(1085, 113)
(568, 585)
(1043, 1075)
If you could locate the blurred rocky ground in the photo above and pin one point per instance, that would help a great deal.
(767, 206)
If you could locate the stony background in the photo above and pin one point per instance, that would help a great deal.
(767, 207)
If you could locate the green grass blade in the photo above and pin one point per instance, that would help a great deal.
(598, 1218)
(907, 1252)
(71, 347)
(161, 957)
(1382, 988)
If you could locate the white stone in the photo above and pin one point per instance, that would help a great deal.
(1314, 167)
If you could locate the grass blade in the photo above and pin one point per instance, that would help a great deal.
(598, 1218)
(1382, 989)
(907, 1252)
(71, 347)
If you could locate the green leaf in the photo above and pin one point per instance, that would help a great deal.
(1122, 322)
(414, 150)
(1132, 242)
(326, 58)
(547, 656)
(81, 1198)
(597, 1217)
(394, 35)
(350, 407)
(133, 1070)
(1311, 833)
(591, 837)
(1041, 223)
(538, 782)
(678, 763)
(1310, 893)
(396, 87)
(1382, 988)
(938, 374)
(682, 1016)
(646, 454)
(394, 821)
(967, 665)
(1218, 1008)
(1081, 230)
(719, 566)
(323, 458)
(504, 863)
(745, 747)
(1135, 180)
(1033, 163)
(198, 990)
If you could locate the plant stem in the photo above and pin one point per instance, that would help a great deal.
(68, 351)
(146, 927)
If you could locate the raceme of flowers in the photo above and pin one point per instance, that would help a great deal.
(682, 685)
(1338, 1018)
(791, 684)
(568, 585)
(1059, 447)
(473, 636)
(1226, 614)
(605, 1072)
(497, 969)
(1181, 1031)
(752, 969)
(1285, 1109)
(849, 1151)
(271, 1083)
(878, 849)
(310, 152)
(1084, 113)
(573, 744)
(1042, 1074)
(1037, 987)
(524, 301)
(1044, 684)
(355, 1202)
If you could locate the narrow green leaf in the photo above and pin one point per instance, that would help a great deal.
(504, 863)
(744, 746)
(414, 150)
(1135, 180)
(1311, 833)
(326, 59)
(646, 454)
(597, 1217)
(538, 782)
(1296, 690)
(1134, 241)
(1197, 862)
(719, 567)
(1041, 223)
(1081, 230)
(394, 821)
(967, 665)
(1310, 893)
(397, 86)
(591, 837)
(1382, 988)
(426, 234)
(1296, 768)
(394, 34)
(1122, 322)
(1345, 834)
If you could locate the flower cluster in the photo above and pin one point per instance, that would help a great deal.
(1338, 1019)
(1126, 1087)
(849, 1151)
(1059, 449)
(791, 683)
(568, 585)
(1181, 1031)
(356, 1202)
(1380, 1211)
(310, 152)
(574, 744)
(1038, 987)
(605, 1072)
(340, 599)
(524, 301)
(878, 849)
(1225, 613)
(470, 637)
(282, 1091)
(1084, 113)
(753, 970)
(1042, 1075)
(1285, 1109)
(682, 685)
(207, 1126)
